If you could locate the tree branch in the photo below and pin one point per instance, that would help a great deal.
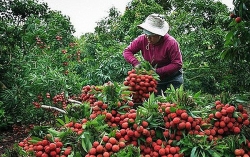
(53, 108)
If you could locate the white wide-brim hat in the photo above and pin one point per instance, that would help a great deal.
(156, 24)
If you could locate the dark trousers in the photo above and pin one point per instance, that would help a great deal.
(176, 81)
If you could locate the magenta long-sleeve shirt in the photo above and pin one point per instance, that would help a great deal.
(166, 54)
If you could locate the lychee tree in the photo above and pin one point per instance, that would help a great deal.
(236, 46)
(237, 39)
(32, 40)
(200, 30)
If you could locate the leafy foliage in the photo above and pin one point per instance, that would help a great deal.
(129, 151)
(200, 32)
(31, 57)
(195, 145)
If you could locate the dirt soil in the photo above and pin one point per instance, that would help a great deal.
(11, 136)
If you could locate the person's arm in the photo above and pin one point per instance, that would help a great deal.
(131, 50)
(175, 61)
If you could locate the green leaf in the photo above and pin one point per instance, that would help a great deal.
(193, 152)
(35, 139)
(240, 101)
(172, 109)
(229, 35)
(78, 154)
(233, 23)
(86, 143)
(72, 154)
(216, 154)
(61, 122)
(53, 132)
(149, 118)
(159, 133)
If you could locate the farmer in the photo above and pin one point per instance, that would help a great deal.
(160, 49)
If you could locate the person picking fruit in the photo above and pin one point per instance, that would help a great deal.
(160, 49)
